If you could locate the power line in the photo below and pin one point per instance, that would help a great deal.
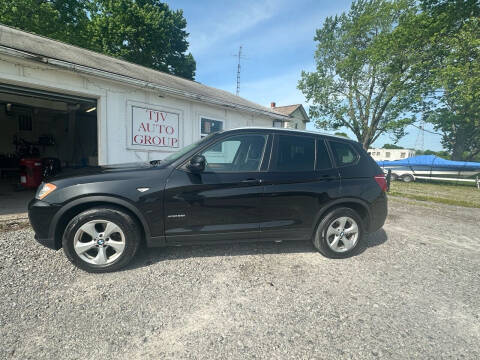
(422, 128)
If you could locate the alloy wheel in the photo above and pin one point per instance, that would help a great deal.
(99, 242)
(342, 234)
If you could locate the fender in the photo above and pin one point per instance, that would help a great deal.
(104, 199)
(341, 201)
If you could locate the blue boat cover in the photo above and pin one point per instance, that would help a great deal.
(432, 161)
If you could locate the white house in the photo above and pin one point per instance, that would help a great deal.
(87, 108)
(390, 154)
(298, 116)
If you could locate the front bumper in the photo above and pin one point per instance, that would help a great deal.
(41, 215)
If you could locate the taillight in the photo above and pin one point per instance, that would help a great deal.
(381, 181)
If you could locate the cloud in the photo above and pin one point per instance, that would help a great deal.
(228, 22)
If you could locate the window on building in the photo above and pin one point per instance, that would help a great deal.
(343, 153)
(294, 153)
(210, 126)
(402, 155)
(241, 153)
(387, 154)
(323, 159)
(277, 123)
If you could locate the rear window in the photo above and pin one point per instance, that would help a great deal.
(294, 153)
(323, 159)
(343, 153)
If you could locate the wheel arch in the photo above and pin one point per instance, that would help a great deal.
(359, 206)
(69, 211)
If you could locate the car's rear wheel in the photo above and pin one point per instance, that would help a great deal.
(101, 239)
(340, 234)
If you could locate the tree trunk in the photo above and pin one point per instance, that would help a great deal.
(458, 147)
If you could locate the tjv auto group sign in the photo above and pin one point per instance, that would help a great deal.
(154, 128)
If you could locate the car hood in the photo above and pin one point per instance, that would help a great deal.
(91, 173)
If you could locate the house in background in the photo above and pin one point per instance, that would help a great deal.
(390, 154)
(298, 116)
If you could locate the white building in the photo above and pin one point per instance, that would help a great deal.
(298, 116)
(390, 154)
(87, 108)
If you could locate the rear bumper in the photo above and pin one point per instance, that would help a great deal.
(378, 213)
(41, 214)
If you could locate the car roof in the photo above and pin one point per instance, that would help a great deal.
(291, 131)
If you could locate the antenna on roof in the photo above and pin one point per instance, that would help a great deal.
(239, 56)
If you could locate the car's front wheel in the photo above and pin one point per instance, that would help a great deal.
(340, 234)
(101, 239)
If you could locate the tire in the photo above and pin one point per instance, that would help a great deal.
(393, 177)
(324, 242)
(407, 178)
(87, 244)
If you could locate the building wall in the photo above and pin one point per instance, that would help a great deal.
(114, 108)
(390, 154)
(296, 121)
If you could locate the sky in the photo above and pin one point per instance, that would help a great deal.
(277, 40)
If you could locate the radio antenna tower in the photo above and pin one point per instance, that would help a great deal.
(420, 141)
(238, 70)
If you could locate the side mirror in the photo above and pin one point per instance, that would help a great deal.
(197, 164)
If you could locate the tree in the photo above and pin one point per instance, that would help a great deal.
(364, 78)
(453, 63)
(339, 133)
(443, 154)
(64, 20)
(146, 32)
(391, 146)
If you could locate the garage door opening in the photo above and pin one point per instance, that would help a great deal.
(41, 134)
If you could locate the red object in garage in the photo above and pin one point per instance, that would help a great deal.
(30, 173)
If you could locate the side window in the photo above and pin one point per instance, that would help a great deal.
(241, 153)
(323, 159)
(343, 153)
(294, 153)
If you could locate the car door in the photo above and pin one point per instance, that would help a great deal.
(222, 202)
(299, 181)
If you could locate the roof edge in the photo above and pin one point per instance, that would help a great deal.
(135, 82)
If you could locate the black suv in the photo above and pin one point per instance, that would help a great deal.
(244, 184)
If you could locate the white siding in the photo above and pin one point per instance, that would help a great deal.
(390, 154)
(113, 101)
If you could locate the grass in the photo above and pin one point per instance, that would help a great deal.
(444, 193)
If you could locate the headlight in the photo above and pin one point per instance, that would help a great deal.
(45, 190)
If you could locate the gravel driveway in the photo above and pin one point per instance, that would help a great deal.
(413, 293)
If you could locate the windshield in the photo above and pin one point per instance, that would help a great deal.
(177, 155)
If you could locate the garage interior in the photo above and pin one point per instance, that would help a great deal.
(41, 134)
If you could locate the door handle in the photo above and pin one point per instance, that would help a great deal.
(251, 181)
